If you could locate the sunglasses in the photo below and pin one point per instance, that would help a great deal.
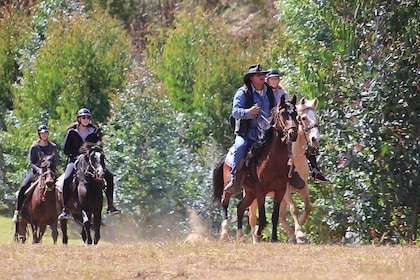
(85, 117)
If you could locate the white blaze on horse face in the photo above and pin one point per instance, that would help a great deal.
(99, 168)
(313, 135)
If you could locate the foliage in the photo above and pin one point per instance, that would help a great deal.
(71, 60)
(158, 177)
(357, 58)
(81, 64)
(201, 66)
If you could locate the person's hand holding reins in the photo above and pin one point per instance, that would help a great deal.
(255, 110)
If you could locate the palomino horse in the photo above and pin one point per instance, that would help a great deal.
(86, 200)
(39, 207)
(266, 171)
(308, 136)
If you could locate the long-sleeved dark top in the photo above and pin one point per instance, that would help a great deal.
(73, 141)
(36, 152)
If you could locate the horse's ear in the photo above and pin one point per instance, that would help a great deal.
(294, 98)
(315, 104)
(302, 100)
(282, 100)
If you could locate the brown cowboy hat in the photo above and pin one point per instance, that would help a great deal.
(253, 69)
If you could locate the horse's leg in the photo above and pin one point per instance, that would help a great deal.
(97, 226)
(304, 193)
(300, 235)
(287, 200)
(224, 233)
(252, 217)
(22, 231)
(35, 238)
(41, 231)
(54, 232)
(86, 228)
(275, 220)
(262, 219)
(240, 210)
(63, 225)
(278, 197)
(16, 237)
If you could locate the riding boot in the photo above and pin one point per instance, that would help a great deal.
(234, 184)
(66, 196)
(109, 192)
(19, 203)
(316, 173)
(21, 196)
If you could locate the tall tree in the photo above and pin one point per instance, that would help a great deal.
(357, 58)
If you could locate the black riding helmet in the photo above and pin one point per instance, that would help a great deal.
(42, 128)
(272, 73)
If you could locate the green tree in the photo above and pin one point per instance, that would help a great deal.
(72, 59)
(81, 64)
(158, 177)
(201, 66)
(357, 58)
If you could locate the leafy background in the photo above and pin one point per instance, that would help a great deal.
(160, 77)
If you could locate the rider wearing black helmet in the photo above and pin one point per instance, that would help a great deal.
(78, 133)
(41, 147)
(273, 79)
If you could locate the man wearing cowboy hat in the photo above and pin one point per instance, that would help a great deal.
(252, 105)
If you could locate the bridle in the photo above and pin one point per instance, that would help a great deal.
(93, 165)
(284, 127)
(47, 169)
(306, 128)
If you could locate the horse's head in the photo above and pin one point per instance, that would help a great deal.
(284, 119)
(48, 169)
(309, 121)
(96, 162)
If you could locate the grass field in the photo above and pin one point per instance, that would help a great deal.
(178, 259)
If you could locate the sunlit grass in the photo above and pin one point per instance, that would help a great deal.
(177, 259)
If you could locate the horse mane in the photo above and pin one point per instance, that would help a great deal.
(87, 146)
(268, 134)
(260, 144)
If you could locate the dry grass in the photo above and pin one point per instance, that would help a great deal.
(200, 258)
(207, 260)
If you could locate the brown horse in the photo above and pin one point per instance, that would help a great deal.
(308, 136)
(266, 171)
(86, 200)
(39, 206)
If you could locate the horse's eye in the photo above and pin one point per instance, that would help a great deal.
(304, 118)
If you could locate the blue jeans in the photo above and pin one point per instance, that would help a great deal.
(242, 146)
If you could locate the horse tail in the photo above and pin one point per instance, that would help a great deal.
(218, 183)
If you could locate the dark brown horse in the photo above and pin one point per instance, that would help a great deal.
(39, 206)
(86, 200)
(266, 171)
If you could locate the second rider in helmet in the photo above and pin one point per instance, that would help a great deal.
(77, 133)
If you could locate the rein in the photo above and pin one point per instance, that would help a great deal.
(91, 170)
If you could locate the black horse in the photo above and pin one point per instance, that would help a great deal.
(86, 200)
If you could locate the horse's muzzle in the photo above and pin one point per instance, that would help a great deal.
(292, 134)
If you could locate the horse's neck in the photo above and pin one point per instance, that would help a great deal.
(299, 146)
(277, 144)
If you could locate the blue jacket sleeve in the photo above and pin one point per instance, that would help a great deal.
(238, 109)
